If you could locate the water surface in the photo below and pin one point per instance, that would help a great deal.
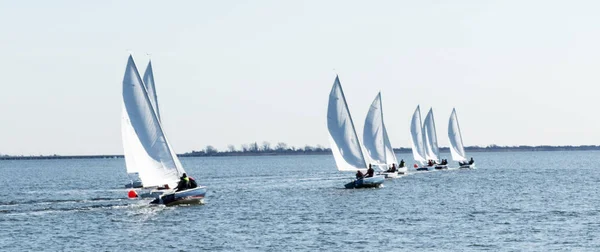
(512, 202)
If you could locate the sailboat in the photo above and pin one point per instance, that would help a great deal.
(432, 151)
(418, 147)
(457, 149)
(377, 142)
(128, 133)
(146, 146)
(345, 146)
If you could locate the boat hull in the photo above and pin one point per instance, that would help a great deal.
(389, 174)
(402, 170)
(374, 181)
(441, 167)
(422, 169)
(467, 166)
(189, 196)
(134, 184)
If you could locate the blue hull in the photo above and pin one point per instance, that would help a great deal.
(375, 181)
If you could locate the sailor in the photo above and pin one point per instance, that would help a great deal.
(359, 174)
(184, 183)
(370, 172)
(430, 162)
(401, 163)
(193, 183)
(471, 161)
(393, 169)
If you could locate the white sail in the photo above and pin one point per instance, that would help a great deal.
(151, 87)
(131, 144)
(375, 138)
(389, 151)
(151, 154)
(432, 150)
(417, 137)
(456, 144)
(342, 135)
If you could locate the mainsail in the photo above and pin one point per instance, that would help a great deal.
(342, 135)
(417, 137)
(148, 149)
(432, 150)
(375, 138)
(456, 144)
(151, 88)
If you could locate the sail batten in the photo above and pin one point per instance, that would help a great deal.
(145, 144)
(345, 145)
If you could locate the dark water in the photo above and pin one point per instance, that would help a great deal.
(512, 202)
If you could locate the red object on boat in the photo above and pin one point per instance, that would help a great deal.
(132, 194)
(416, 166)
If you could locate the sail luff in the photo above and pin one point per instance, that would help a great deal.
(383, 128)
(434, 141)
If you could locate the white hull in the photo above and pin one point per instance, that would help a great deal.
(467, 166)
(389, 174)
(403, 170)
(441, 167)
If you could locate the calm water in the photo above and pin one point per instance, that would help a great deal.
(513, 202)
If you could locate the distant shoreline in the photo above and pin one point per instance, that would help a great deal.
(315, 151)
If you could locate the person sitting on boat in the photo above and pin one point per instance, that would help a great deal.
(401, 163)
(193, 183)
(359, 174)
(392, 169)
(184, 183)
(430, 162)
(471, 161)
(370, 172)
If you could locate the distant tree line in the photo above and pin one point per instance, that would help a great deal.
(282, 148)
(265, 148)
(255, 149)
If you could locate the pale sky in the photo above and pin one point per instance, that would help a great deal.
(234, 72)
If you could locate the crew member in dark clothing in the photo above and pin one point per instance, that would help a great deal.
(193, 183)
(471, 161)
(359, 174)
(392, 168)
(184, 183)
(370, 172)
(401, 163)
